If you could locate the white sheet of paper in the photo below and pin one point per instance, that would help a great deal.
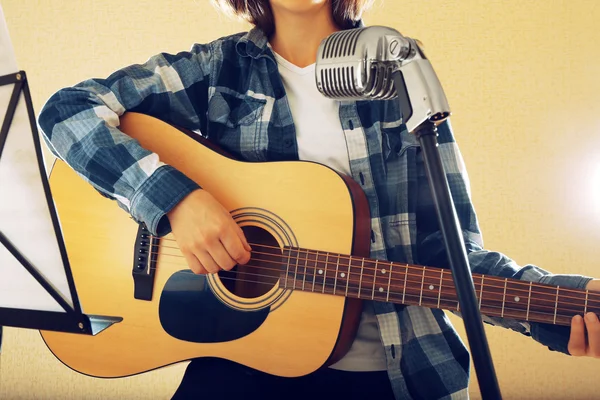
(24, 215)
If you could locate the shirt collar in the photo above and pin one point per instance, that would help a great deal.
(253, 44)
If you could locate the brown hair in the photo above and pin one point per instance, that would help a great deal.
(258, 12)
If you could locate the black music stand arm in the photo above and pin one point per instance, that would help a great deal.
(461, 272)
(73, 320)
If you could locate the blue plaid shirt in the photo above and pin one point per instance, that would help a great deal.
(230, 91)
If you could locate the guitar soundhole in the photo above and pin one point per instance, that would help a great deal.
(262, 272)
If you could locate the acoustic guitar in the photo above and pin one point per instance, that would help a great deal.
(292, 309)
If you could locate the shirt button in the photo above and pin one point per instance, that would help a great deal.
(288, 142)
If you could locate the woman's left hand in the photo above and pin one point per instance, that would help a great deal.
(580, 344)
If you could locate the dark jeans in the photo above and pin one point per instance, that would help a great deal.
(211, 378)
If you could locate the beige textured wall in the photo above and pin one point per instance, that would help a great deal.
(523, 80)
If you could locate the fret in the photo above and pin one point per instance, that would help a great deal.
(298, 265)
(322, 271)
(428, 291)
(514, 300)
(348, 278)
(543, 296)
(337, 264)
(316, 269)
(362, 267)
(296, 268)
(405, 280)
(445, 293)
(287, 270)
(528, 301)
(314, 274)
(425, 288)
(324, 268)
(389, 282)
(356, 269)
(381, 278)
(504, 297)
(303, 275)
(440, 288)
(481, 291)
(556, 303)
(492, 294)
(374, 280)
(422, 283)
(573, 302)
(307, 259)
(290, 270)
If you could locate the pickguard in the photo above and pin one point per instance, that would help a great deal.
(188, 310)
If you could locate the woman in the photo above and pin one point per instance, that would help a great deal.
(254, 95)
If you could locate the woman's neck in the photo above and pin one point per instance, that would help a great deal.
(297, 36)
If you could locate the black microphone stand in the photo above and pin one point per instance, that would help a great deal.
(459, 263)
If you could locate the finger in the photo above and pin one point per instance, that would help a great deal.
(221, 256)
(236, 246)
(242, 237)
(593, 327)
(207, 262)
(577, 344)
(193, 263)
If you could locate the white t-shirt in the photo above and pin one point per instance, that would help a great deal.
(321, 139)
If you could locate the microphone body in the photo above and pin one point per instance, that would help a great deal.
(378, 63)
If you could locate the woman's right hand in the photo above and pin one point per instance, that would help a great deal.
(207, 235)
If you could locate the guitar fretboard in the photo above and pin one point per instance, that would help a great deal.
(363, 278)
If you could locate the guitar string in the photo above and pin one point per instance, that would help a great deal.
(489, 296)
(542, 315)
(512, 291)
(488, 278)
(420, 281)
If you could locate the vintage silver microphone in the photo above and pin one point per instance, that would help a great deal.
(378, 63)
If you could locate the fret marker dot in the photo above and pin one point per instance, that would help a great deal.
(343, 275)
(381, 289)
(517, 299)
(383, 271)
(320, 272)
(431, 287)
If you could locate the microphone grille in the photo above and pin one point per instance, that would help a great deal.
(347, 67)
(341, 44)
(339, 82)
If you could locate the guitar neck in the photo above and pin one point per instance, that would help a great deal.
(368, 279)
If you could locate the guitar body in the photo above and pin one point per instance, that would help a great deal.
(267, 327)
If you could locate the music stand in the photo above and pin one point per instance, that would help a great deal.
(57, 306)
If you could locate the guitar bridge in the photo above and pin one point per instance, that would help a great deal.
(144, 268)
